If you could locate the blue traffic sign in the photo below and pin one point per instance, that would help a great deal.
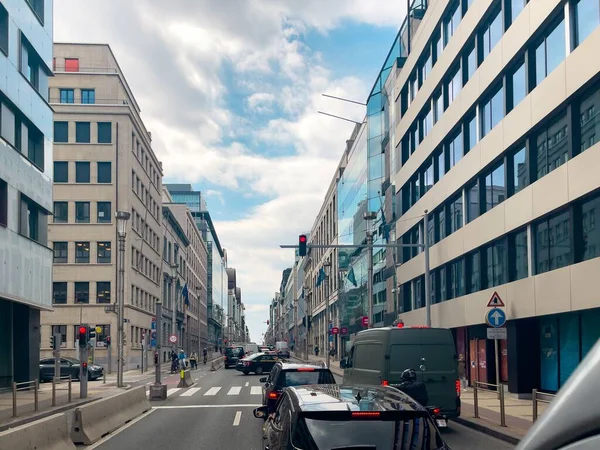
(495, 317)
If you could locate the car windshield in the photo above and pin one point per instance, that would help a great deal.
(417, 433)
(295, 378)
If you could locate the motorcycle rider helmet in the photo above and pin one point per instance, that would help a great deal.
(409, 375)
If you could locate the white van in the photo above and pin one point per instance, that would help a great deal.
(282, 349)
(250, 348)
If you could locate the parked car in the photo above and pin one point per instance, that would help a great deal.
(233, 355)
(286, 375)
(259, 363)
(68, 366)
(333, 416)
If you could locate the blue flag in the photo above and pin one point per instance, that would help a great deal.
(321, 277)
(351, 277)
(186, 295)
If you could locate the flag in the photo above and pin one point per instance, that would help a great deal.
(321, 277)
(351, 276)
(186, 295)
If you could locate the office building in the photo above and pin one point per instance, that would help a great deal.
(25, 184)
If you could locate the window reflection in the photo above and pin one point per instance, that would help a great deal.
(455, 150)
(473, 199)
(495, 187)
(520, 263)
(550, 52)
(587, 18)
(520, 170)
(589, 120)
(552, 147)
(492, 112)
(495, 264)
(590, 210)
(519, 85)
(553, 243)
(456, 213)
(492, 33)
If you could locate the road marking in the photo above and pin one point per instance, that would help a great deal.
(195, 379)
(172, 391)
(237, 418)
(213, 390)
(235, 390)
(249, 405)
(255, 390)
(247, 383)
(123, 428)
(190, 392)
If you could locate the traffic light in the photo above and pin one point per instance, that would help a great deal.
(108, 341)
(267, 321)
(83, 336)
(302, 240)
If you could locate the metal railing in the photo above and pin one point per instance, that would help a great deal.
(25, 386)
(537, 396)
(478, 385)
(97, 101)
(58, 381)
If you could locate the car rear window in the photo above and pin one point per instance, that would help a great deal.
(417, 433)
(295, 378)
(233, 351)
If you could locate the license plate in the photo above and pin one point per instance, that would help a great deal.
(441, 423)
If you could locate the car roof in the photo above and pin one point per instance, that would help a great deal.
(296, 366)
(334, 397)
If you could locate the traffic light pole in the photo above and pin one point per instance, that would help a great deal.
(120, 311)
(83, 371)
(56, 345)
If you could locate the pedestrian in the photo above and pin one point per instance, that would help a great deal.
(317, 350)
(182, 364)
(194, 360)
(462, 372)
(204, 354)
(174, 361)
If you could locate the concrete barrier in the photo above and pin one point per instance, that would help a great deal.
(217, 363)
(50, 433)
(185, 378)
(104, 416)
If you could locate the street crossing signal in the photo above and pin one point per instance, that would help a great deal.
(52, 343)
(108, 341)
(302, 241)
(83, 336)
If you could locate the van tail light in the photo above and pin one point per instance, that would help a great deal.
(305, 369)
(366, 414)
(385, 383)
(273, 395)
(457, 384)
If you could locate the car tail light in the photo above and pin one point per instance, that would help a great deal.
(306, 369)
(385, 383)
(273, 395)
(435, 411)
(366, 414)
(457, 384)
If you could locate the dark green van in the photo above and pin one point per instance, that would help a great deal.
(379, 356)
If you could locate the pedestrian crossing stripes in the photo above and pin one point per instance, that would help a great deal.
(213, 390)
(172, 391)
(235, 390)
(190, 392)
(255, 390)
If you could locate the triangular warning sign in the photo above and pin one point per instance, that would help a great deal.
(495, 301)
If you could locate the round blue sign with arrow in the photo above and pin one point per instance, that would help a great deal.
(495, 317)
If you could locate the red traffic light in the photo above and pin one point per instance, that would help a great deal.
(82, 330)
(302, 238)
(84, 365)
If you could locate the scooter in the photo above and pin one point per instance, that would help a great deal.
(441, 420)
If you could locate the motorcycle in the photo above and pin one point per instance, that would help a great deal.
(441, 420)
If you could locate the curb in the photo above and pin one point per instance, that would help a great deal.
(487, 430)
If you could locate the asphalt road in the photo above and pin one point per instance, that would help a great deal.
(216, 413)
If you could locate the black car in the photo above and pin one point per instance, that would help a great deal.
(68, 366)
(258, 363)
(345, 417)
(286, 375)
(233, 355)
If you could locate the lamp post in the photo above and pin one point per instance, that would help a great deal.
(327, 269)
(122, 218)
(369, 216)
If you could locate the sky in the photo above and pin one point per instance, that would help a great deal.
(231, 90)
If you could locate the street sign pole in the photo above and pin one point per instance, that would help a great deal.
(496, 318)
(83, 372)
(497, 358)
(57, 345)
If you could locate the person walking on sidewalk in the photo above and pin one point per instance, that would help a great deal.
(194, 360)
(204, 354)
(462, 372)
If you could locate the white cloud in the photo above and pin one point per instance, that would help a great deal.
(174, 55)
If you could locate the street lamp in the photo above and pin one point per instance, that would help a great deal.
(369, 216)
(327, 270)
(122, 218)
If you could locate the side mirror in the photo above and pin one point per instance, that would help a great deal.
(261, 413)
(262, 380)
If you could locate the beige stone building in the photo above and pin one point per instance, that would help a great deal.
(103, 163)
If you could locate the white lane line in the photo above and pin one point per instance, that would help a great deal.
(255, 390)
(213, 390)
(247, 383)
(172, 391)
(248, 405)
(190, 392)
(237, 418)
(235, 390)
(123, 428)
(195, 379)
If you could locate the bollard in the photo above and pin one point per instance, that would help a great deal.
(475, 404)
(36, 393)
(14, 389)
(502, 409)
(54, 391)
(534, 403)
(69, 389)
(104, 377)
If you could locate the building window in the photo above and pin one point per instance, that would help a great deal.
(470, 62)
(62, 330)
(59, 293)
(82, 292)
(428, 178)
(587, 18)
(492, 33)
(71, 65)
(517, 247)
(4, 29)
(471, 130)
(589, 120)
(88, 96)
(104, 132)
(590, 234)
(8, 124)
(102, 336)
(104, 253)
(38, 8)
(550, 52)
(456, 278)
(30, 63)
(516, 6)
(441, 223)
(3, 203)
(495, 187)
(492, 112)
(61, 172)
(427, 123)
(61, 212)
(473, 272)
(520, 170)
(82, 252)
(431, 229)
(104, 212)
(82, 132)
(61, 250)
(103, 292)
(456, 213)
(82, 212)
(552, 146)
(452, 21)
(553, 243)
(67, 95)
(455, 150)
(443, 284)
(438, 107)
(32, 221)
(61, 131)
(495, 263)
(518, 85)
(441, 163)
(454, 86)
(35, 146)
(104, 172)
(474, 209)
(82, 172)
